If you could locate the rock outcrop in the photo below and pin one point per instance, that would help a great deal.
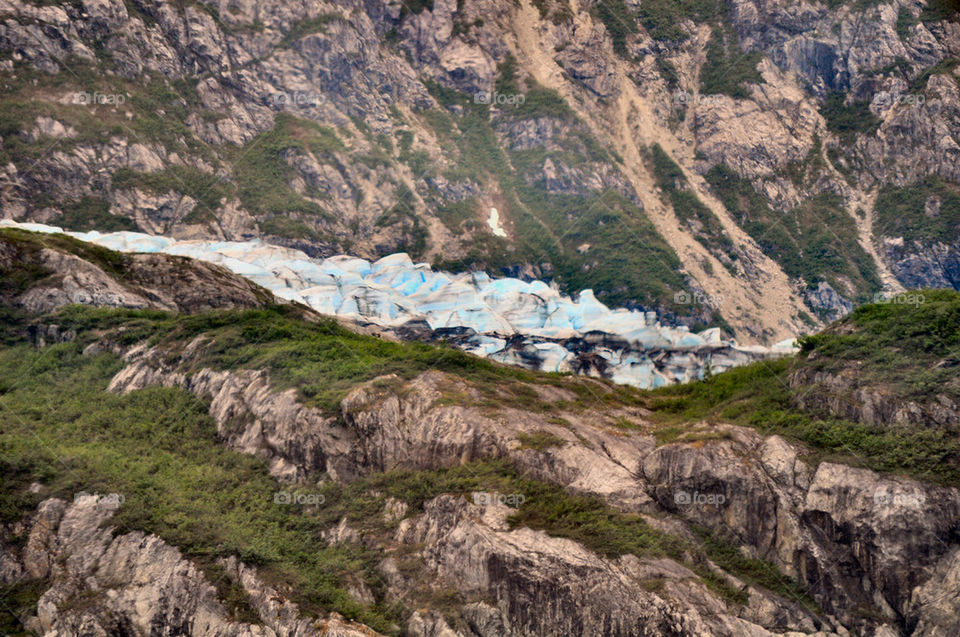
(58, 273)
(852, 538)
(104, 581)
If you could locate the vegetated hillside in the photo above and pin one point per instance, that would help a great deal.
(264, 471)
(749, 152)
(879, 387)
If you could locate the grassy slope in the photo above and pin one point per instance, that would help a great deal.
(323, 360)
(910, 351)
(902, 212)
(158, 448)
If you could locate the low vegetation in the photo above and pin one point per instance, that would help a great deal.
(159, 449)
(263, 171)
(620, 21)
(910, 345)
(941, 10)
(728, 68)
(550, 227)
(928, 210)
(908, 351)
(662, 18)
(815, 241)
(209, 191)
(847, 120)
(91, 213)
(322, 360)
(759, 396)
(540, 440)
(28, 244)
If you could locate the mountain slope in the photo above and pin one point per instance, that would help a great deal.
(367, 128)
(264, 471)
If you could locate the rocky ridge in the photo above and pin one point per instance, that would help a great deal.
(827, 526)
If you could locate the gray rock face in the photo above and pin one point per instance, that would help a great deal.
(843, 395)
(848, 533)
(138, 281)
(923, 265)
(855, 539)
(295, 441)
(528, 575)
(825, 299)
(186, 86)
(585, 59)
(102, 583)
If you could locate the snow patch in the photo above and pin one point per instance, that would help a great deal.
(494, 222)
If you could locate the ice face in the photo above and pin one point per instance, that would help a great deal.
(394, 290)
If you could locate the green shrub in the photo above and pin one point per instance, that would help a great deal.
(263, 173)
(540, 440)
(662, 18)
(848, 120)
(541, 102)
(620, 22)
(727, 68)
(941, 10)
(905, 22)
(902, 212)
(945, 66)
(307, 26)
(815, 241)
(91, 213)
(18, 600)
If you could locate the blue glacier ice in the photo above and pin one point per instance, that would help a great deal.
(557, 333)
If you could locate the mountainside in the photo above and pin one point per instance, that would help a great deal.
(524, 323)
(762, 166)
(234, 466)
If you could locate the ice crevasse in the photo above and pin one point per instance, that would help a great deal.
(529, 323)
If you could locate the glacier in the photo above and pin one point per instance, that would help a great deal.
(525, 323)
